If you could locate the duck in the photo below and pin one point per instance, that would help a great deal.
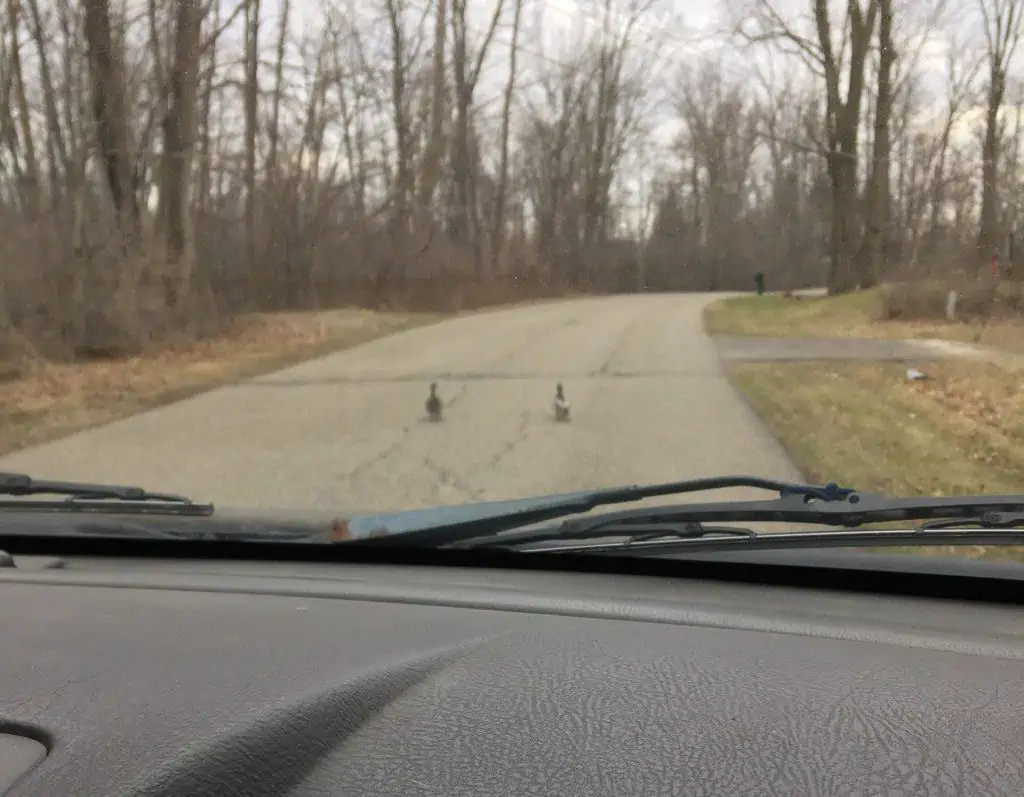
(561, 404)
(434, 404)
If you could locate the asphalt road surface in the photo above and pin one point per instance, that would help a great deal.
(650, 402)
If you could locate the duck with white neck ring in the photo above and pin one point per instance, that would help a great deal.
(561, 404)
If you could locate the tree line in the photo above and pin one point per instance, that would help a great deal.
(168, 164)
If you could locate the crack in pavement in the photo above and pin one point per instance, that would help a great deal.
(455, 399)
(444, 475)
(459, 393)
(617, 348)
(449, 478)
(356, 473)
(519, 436)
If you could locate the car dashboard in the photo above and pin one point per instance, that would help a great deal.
(164, 677)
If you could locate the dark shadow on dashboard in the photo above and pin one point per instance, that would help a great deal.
(268, 754)
(33, 732)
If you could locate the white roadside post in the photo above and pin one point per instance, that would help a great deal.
(951, 299)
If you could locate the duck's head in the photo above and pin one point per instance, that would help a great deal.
(433, 388)
(558, 390)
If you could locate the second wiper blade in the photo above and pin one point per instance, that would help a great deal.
(81, 496)
(685, 521)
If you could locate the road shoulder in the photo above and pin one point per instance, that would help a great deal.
(847, 409)
(49, 401)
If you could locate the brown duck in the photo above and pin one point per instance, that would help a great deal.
(434, 404)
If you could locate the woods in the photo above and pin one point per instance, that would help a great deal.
(168, 164)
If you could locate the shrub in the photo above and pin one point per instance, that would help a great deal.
(925, 300)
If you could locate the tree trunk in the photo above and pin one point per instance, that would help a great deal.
(179, 141)
(878, 195)
(109, 110)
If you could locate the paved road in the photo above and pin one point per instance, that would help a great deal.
(649, 396)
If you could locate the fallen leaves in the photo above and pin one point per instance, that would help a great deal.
(52, 400)
(983, 393)
(863, 424)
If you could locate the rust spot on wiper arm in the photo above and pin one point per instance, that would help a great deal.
(340, 531)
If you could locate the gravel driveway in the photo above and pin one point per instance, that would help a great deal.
(650, 402)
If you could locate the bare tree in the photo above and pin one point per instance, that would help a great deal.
(434, 150)
(251, 92)
(877, 199)
(324, 165)
(464, 221)
(1003, 25)
(722, 133)
(833, 54)
(498, 220)
(179, 135)
(962, 67)
(108, 90)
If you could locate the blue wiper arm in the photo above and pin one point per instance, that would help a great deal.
(446, 525)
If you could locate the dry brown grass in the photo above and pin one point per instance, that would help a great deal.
(979, 300)
(864, 425)
(855, 315)
(54, 400)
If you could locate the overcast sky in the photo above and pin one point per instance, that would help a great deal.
(685, 31)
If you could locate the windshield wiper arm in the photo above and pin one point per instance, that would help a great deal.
(80, 496)
(448, 525)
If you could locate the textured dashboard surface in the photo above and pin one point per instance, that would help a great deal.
(195, 679)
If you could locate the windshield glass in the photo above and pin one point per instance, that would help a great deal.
(370, 257)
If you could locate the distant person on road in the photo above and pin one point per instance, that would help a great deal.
(759, 283)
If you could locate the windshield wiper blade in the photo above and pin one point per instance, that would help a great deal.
(999, 518)
(20, 484)
(198, 534)
(722, 538)
(80, 496)
(448, 525)
(109, 528)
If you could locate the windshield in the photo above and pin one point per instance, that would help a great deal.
(364, 258)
